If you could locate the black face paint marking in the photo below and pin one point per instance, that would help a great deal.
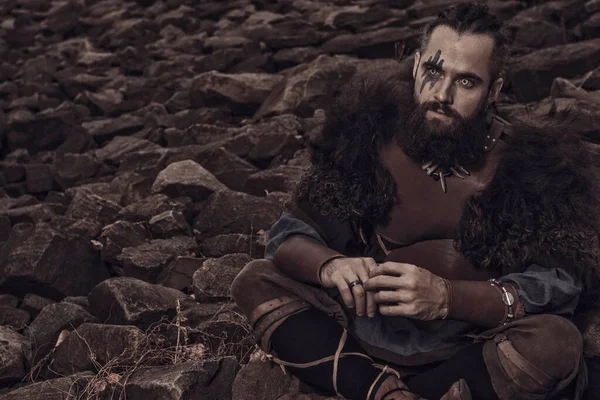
(428, 78)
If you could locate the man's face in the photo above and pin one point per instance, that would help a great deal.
(452, 77)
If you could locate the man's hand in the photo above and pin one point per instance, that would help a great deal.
(409, 291)
(339, 272)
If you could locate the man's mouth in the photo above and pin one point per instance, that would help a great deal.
(439, 113)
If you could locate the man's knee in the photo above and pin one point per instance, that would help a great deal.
(248, 278)
(554, 345)
(535, 357)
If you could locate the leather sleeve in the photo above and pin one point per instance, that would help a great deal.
(546, 289)
(478, 302)
(301, 258)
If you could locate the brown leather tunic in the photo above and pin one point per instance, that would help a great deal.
(424, 224)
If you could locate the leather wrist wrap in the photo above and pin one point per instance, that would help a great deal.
(301, 258)
(476, 302)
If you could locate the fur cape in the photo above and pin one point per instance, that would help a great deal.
(542, 206)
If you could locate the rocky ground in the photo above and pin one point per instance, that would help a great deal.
(147, 146)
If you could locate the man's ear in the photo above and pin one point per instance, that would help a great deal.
(416, 65)
(495, 90)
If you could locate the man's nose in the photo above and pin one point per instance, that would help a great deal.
(443, 93)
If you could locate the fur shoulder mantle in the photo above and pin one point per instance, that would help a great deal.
(542, 206)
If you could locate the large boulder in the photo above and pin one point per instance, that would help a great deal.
(85, 228)
(106, 102)
(8, 301)
(72, 168)
(53, 389)
(261, 379)
(14, 318)
(132, 186)
(186, 178)
(357, 17)
(227, 167)
(130, 301)
(373, 44)
(194, 134)
(148, 260)
(96, 344)
(46, 327)
(583, 116)
(44, 131)
(40, 259)
(241, 93)
(591, 27)
(212, 281)
(119, 235)
(308, 87)
(168, 224)
(86, 203)
(531, 75)
(15, 355)
(33, 304)
(145, 209)
(549, 17)
(234, 212)
(114, 151)
(199, 313)
(286, 58)
(565, 88)
(278, 31)
(220, 245)
(39, 178)
(280, 179)
(191, 380)
(179, 274)
(105, 129)
(31, 214)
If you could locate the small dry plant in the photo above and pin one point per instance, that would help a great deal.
(164, 343)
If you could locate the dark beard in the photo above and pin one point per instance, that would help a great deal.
(460, 142)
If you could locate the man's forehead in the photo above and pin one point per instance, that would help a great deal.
(465, 53)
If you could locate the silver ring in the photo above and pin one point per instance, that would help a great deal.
(354, 283)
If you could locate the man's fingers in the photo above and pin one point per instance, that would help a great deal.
(345, 291)
(359, 299)
(368, 301)
(384, 282)
(396, 310)
(391, 268)
(392, 296)
(370, 265)
(371, 304)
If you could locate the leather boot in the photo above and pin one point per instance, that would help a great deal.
(394, 389)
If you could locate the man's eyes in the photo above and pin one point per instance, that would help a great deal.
(433, 71)
(464, 82)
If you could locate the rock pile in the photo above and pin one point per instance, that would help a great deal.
(147, 146)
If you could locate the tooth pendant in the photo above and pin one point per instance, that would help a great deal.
(439, 174)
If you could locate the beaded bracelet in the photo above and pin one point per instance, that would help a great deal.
(507, 298)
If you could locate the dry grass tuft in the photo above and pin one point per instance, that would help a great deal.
(164, 343)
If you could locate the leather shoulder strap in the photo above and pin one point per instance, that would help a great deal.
(497, 126)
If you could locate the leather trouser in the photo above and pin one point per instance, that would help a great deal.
(533, 358)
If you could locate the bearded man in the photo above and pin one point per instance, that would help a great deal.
(433, 252)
